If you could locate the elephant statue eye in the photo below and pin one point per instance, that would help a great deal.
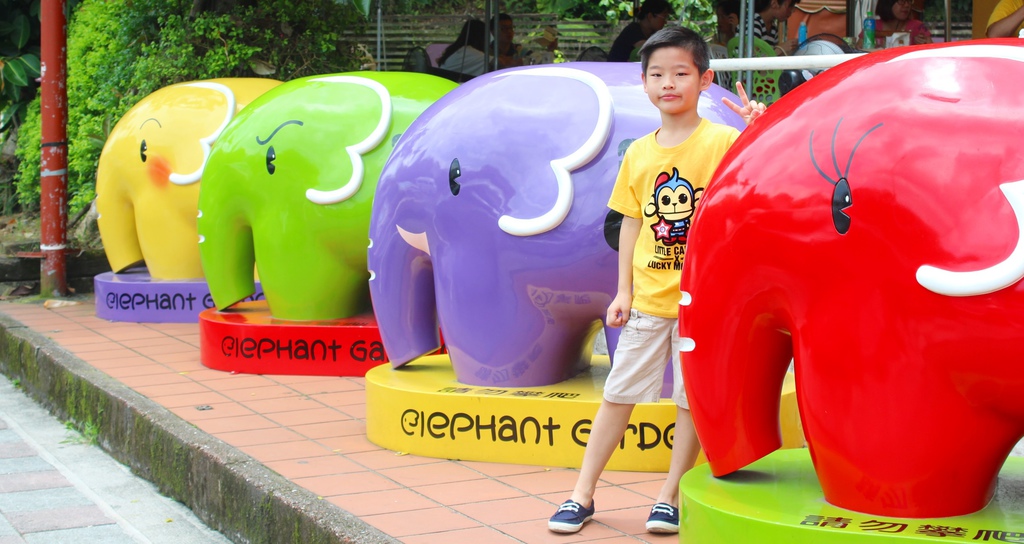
(271, 157)
(454, 171)
(142, 150)
(842, 198)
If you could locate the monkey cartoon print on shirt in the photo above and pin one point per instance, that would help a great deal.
(673, 204)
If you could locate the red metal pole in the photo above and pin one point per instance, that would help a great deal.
(54, 164)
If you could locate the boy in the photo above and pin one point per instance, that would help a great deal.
(658, 185)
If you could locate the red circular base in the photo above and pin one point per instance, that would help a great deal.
(248, 339)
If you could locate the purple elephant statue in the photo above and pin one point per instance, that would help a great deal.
(491, 220)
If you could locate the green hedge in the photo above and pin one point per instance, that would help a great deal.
(120, 51)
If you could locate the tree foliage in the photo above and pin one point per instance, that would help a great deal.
(19, 59)
(696, 14)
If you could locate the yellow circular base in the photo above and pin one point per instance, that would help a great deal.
(421, 409)
(777, 500)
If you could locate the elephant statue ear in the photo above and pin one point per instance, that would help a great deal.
(357, 150)
(563, 166)
(206, 142)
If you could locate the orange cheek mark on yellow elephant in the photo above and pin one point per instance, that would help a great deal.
(159, 171)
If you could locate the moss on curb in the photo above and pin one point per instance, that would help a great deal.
(226, 488)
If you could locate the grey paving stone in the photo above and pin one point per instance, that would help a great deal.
(7, 436)
(71, 517)
(103, 534)
(24, 464)
(6, 529)
(42, 499)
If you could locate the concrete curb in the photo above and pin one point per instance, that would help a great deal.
(227, 489)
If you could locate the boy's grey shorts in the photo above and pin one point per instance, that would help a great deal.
(646, 343)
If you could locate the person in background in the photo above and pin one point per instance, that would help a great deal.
(894, 16)
(1007, 19)
(657, 190)
(543, 51)
(728, 14)
(652, 17)
(508, 51)
(766, 16)
(466, 54)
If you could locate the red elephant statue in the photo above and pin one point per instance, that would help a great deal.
(868, 226)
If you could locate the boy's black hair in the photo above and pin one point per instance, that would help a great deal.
(674, 36)
(653, 7)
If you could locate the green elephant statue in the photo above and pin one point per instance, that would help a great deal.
(147, 182)
(290, 185)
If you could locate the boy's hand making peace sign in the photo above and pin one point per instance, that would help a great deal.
(750, 110)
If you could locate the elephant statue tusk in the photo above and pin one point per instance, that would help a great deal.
(416, 240)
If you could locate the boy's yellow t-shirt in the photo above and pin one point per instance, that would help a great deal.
(661, 186)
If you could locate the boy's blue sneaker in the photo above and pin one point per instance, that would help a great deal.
(570, 517)
(664, 518)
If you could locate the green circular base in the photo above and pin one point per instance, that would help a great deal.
(778, 500)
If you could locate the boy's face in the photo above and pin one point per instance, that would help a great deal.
(672, 81)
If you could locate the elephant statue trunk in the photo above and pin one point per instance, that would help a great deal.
(747, 379)
(408, 331)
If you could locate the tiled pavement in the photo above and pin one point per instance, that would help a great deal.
(55, 487)
(311, 430)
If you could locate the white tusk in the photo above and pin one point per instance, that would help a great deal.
(987, 280)
(417, 240)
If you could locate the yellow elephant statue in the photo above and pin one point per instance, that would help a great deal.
(147, 182)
